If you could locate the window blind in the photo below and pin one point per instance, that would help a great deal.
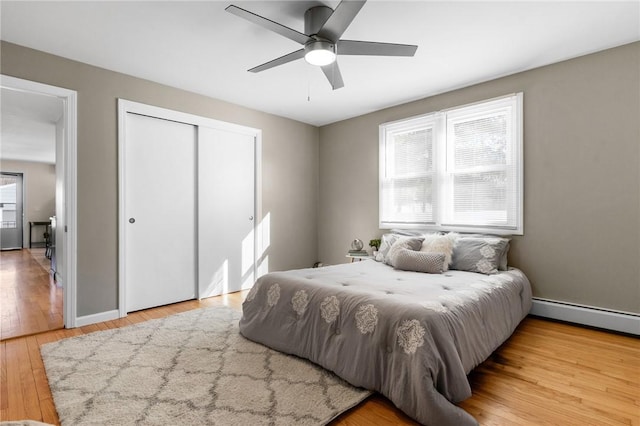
(474, 184)
(406, 186)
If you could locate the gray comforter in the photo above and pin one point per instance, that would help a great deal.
(411, 336)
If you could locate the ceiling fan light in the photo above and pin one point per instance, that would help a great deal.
(320, 53)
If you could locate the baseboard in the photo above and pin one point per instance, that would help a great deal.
(99, 317)
(624, 322)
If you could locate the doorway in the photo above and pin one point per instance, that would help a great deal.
(10, 211)
(39, 146)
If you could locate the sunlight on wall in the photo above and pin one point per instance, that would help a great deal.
(219, 283)
(248, 281)
(255, 243)
(262, 267)
(263, 236)
(263, 241)
(247, 253)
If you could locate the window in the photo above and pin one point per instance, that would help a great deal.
(8, 196)
(459, 169)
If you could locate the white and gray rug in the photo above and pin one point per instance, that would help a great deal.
(192, 368)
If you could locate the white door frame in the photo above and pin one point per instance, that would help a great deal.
(67, 218)
(125, 107)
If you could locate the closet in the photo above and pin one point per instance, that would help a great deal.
(187, 206)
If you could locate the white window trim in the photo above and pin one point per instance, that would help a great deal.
(440, 119)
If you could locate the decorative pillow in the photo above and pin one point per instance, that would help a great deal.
(419, 261)
(386, 242)
(502, 266)
(434, 243)
(410, 243)
(479, 254)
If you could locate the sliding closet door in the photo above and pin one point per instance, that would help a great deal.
(226, 210)
(159, 205)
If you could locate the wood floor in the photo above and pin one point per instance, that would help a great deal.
(30, 302)
(547, 373)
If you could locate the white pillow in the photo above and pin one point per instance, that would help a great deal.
(444, 244)
(386, 242)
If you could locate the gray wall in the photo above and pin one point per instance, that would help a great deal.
(582, 179)
(39, 189)
(582, 182)
(289, 159)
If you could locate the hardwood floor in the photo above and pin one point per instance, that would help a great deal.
(30, 302)
(546, 373)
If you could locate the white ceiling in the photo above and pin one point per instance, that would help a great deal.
(28, 131)
(197, 46)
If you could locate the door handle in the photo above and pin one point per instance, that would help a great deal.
(132, 220)
(250, 217)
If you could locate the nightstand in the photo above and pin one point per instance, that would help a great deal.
(358, 258)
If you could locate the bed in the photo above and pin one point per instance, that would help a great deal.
(411, 336)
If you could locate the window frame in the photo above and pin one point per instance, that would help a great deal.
(404, 126)
(443, 172)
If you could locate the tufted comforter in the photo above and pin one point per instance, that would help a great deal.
(411, 336)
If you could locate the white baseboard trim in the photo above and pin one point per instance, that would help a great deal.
(624, 322)
(99, 317)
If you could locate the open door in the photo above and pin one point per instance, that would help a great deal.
(10, 211)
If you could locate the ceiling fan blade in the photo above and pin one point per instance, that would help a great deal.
(340, 19)
(287, 32)
(332, 72)
(353, 47)
(290, 57)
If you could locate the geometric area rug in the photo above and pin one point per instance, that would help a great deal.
(192, 368)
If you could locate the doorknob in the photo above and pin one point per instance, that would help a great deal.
(250, 217)
(132, 220)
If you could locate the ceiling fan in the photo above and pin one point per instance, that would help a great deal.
(323, 28)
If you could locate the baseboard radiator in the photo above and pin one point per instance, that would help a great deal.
(624, 322)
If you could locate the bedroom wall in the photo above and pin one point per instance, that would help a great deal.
(39, 188)
(581, 241)
(289, 166)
